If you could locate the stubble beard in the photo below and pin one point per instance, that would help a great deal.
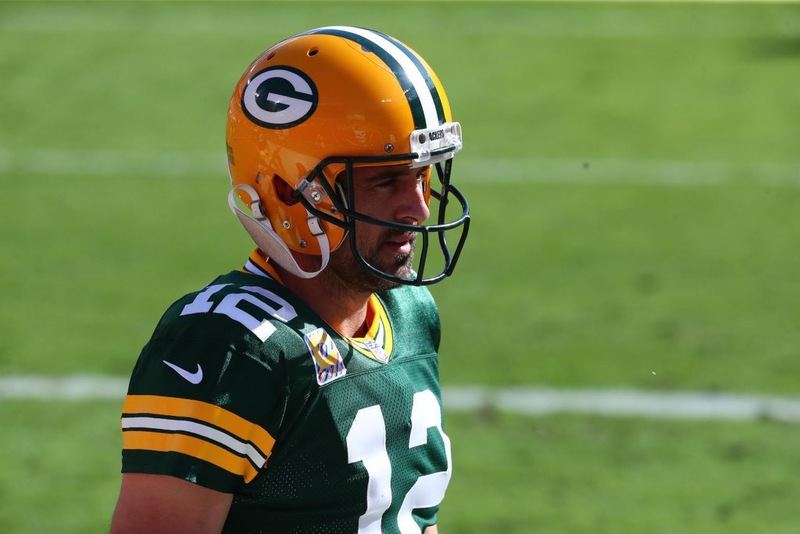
(351, 276)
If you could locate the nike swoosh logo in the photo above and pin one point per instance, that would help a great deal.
(193, 378)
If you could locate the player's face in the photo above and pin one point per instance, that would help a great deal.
(394, 193)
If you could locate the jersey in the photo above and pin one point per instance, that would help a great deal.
(244, 389)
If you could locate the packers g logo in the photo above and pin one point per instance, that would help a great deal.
(279, 97)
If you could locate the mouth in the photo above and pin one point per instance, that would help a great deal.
(401, 244)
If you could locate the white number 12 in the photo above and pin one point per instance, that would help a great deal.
(366, 442)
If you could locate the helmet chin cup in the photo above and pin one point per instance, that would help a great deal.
(262, 233)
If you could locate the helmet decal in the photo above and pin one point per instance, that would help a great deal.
(279, 97)
(423, 97)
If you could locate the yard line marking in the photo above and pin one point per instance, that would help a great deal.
(629, 171)
(624, 403)
(504, 170)
(535, 401)
(72, 387)
(46, 161)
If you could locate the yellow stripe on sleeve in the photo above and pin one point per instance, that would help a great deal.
(192, 446)
(242, 429)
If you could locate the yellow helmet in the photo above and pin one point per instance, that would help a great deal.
(313, 107)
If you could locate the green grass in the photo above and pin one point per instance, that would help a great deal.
(577, 475)
(59, 466)
(633, 172)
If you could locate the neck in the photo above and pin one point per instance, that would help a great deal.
(340, 307)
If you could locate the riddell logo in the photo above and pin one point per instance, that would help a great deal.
(438, 134)
(279, 97)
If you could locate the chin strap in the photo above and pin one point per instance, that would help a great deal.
(269, 241)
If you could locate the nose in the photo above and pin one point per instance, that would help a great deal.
(412, 203)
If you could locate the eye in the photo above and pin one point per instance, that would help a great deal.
(385, 182)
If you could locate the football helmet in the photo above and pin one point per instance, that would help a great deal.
(314, 107)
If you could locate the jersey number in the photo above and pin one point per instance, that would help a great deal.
(230, 305)
(366, 442)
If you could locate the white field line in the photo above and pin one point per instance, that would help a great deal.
(527, 401)
(109, 163)
(624, 403)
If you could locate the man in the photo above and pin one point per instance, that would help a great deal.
(301, 393)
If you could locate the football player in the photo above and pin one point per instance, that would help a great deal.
(301, 393)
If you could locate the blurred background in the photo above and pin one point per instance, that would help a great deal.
(634, 177)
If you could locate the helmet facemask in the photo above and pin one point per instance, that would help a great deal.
(428, 259)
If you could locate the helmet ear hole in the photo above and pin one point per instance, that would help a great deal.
(285, 192)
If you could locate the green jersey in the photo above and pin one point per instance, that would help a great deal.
(244, 389)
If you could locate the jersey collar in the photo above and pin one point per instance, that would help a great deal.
(258, 264)
(378, 341)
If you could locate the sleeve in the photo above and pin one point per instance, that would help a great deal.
(203, 403)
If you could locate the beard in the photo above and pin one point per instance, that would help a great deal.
(350, 275)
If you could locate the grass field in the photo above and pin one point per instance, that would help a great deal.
(634, 174)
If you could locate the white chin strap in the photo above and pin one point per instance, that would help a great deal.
(269, 241)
